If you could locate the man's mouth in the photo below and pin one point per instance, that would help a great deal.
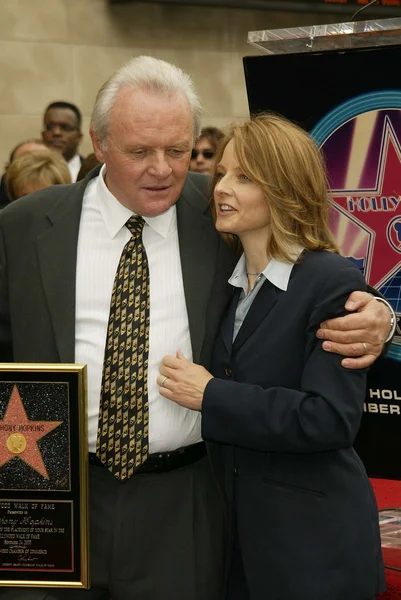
(157, 188)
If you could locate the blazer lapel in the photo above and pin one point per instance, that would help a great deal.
(265, 300)
(227, 326)
(198, 247)
(57, 255)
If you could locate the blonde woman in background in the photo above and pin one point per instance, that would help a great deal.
(283, 412)
(36, 170)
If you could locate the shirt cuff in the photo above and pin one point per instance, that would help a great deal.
(393, 321)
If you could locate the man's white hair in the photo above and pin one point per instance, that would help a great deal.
(147, 74)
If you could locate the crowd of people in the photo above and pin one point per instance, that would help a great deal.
(226, 317)
(54, 158)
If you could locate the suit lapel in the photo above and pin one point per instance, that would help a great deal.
(227, 326)
(198, 249)
(264, 302)
(57, 256)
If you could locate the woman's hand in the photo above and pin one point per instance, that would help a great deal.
(182, 381)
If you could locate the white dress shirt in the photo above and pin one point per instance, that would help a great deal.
(102, 237)
(74, 165)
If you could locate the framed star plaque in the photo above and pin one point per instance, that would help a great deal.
(43, 476)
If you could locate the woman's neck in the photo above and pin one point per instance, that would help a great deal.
(255, 250)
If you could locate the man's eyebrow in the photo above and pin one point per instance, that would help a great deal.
(179, 145)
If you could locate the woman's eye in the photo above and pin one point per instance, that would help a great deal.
(243, 178)
(219, 176)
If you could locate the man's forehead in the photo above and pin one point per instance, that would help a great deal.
(60, 114)
(145, 119)
(140, 105)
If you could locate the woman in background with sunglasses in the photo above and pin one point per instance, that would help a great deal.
(202, 158)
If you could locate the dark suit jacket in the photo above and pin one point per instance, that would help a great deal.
(38, 252)
(286, 413)
(4, 199)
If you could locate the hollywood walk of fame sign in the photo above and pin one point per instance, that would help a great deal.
(361, 140)
(43, 476)
(376, 214)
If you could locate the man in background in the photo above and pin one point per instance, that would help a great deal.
(62, 131)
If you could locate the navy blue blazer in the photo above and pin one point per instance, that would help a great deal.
(285, 414)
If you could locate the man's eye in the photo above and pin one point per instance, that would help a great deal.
(176, 151)
(138, 153)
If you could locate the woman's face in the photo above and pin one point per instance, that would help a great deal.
(202, 159)
(240, 204)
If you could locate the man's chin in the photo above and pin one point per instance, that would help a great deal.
(157, 207)
(59, 149)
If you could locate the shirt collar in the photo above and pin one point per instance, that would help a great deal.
(115, 215)
(74, 165)
(277, 272)
(75, 161)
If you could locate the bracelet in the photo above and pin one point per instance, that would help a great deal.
(393, 320)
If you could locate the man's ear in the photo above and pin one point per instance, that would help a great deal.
(97, 146)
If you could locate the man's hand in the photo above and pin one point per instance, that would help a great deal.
(361, 334)
(182, 381)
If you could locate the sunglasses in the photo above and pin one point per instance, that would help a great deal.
(205, 153)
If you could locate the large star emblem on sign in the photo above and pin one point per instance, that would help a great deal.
(378, 212)
(19, 435)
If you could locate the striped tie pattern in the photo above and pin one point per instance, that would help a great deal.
(122, 440)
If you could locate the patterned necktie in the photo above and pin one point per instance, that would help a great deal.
(122, 439)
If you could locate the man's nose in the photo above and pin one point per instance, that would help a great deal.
(57, 130)
(160, 167)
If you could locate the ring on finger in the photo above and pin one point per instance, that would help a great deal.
(364, 347)
(163, 382)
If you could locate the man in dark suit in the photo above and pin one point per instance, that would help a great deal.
(62, 131)
(156, 514)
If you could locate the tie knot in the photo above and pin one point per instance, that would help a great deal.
(135, 224)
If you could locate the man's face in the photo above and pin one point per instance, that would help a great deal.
(148, 148)
(61, 131)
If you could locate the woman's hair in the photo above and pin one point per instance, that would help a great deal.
(39, 169)
(147, 74)
(284, 161)
(213, 135)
